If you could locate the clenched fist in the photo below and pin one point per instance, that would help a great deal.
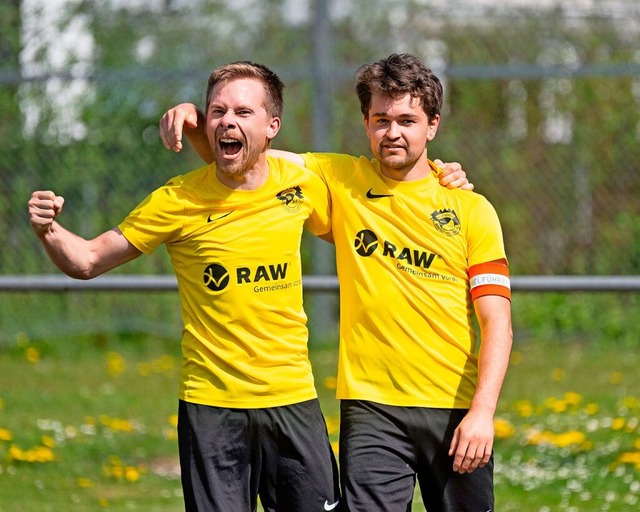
(44, 207)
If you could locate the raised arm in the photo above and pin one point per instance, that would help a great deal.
(188, 120)
(472, 443)
(75, 256)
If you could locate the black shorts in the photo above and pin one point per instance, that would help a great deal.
(383, 449)
(229, 457)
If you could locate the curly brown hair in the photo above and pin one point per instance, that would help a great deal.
(396, 76)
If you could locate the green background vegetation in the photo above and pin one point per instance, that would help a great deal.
(87, 423)
(541, 107)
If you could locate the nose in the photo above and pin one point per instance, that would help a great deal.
(228, 118)
(393, 132)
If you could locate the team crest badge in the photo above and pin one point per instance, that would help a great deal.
(446, 221)
(291, 199)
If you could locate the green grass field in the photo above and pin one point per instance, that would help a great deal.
(88, 424)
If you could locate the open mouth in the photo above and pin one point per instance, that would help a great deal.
(230, 147)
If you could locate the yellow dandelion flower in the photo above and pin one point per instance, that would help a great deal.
(48, 441)
(330, 382)
(572, 398)
(118, 425)
(504, 429)
(555, 405)
(170, 434)
(586, 446)
(335, 447)
(636, 443)
(32, 355)
(591, 408)
(39, 454)
(103, 502)
(524, 408)
(131, 474)
(44, 454)
(558, 374)
(333, 424)
(115, 364)
(173, 420)
(631, 402)
(5, 435)
(629, 458)
(114, 462)
(618, 424)
(570, 438)
(15, 453)
(84, 483)
(116, 472)
(562, 440)
(537, 438)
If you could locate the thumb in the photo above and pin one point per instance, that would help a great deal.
(58, 203)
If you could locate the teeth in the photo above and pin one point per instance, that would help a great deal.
(229, 141)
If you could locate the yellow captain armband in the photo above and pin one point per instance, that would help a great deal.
(490, 279)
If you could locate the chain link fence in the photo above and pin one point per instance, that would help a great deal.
(542, 109)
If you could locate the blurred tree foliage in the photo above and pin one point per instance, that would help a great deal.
(541, 109)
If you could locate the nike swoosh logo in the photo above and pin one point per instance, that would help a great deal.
(371, 195)
(209, 219)
(328, 506)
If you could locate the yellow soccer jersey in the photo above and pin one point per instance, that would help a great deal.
(236, 256)
(403, 250)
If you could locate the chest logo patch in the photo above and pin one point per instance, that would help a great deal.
(366, 242)
(446, 221)
(216, 277)
(291, 198)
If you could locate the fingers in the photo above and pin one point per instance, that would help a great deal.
(171, 125)
(469, 455)
(44, 207)
(453, 176)
(469, 459)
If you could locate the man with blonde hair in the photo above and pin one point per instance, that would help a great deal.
(249, 420)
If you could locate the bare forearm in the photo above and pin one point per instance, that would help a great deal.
(85, 259)
(495, 349)
(492, 369)
(69, 252)
(199, 141)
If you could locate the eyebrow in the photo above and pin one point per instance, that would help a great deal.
(235, 109)
(407, 115)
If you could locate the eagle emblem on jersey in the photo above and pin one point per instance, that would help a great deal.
(446, 221)
(291, 198)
